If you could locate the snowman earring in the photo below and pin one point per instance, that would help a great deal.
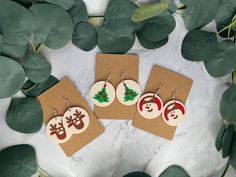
(56, 130)
(102, 93)
(75, 119)
(128, 91)
(174, 111)
(150, 105)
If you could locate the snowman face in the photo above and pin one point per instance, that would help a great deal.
(174, 112)
(149, 106)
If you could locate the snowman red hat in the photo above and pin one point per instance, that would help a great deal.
(172, 107)
(150, 99)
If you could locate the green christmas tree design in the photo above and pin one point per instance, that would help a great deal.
(102, 96)
(129, 94)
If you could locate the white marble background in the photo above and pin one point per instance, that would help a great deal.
(123, 148)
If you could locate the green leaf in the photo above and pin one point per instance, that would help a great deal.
(199, 13)
(66, 4)
(111, 42)
(137, 174)
(18, 161)
(218, 142)
(14, 51)
(159, 27)
(232, 158)
(25, 115)
(52, 29)
(1, 43)
(36, 67)
(31, 89)
(84, 36)
(227, 141)
(224, 16)
(228, 104)
(223, 61)
(174, 171)
(147, 11)
(148, 44)
(18, 28)
(25, 3)
(199, 45)
(78, 12)
(12, 77)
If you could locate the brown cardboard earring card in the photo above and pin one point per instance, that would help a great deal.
(170, 82)
(116, 65)
(54, 98)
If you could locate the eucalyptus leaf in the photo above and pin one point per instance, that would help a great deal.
(147, 11)
(174, 171)
(199, 13)
(31, 89)
(66, 4)
(14, 50)
(232, 158)
(137, 174)
(18, 28)
(199, 45)
(84, 36)
(159, 27)
(18, 161)
(223, 61)
(228, 104)
(227, 141)
(78, 12)
(12, 77)
(52, 29)
(1, 43)
(218, 142)
(25, 3)
(25, 115)
(148, 44)
(36, 67)
(110, 42)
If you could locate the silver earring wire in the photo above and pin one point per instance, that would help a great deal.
(54, 111)
(108, 78)
(122, 76)
(173, 94)
(159, 89)
(67, 101)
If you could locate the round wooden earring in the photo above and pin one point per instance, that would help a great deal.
(150, 106)
(128, 92)
(76, 120)
(102, 93)
(174, 112)
(56, 130)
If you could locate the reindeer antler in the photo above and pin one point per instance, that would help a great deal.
(53, 128)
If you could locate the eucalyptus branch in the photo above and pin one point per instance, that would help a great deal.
(225, 170)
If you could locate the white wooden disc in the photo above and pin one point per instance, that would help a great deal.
(97, 88)
(123, 95)
(76, 120)
(150, 106)
(56, 131)
(174, 112)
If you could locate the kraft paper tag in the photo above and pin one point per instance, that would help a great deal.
(170, 81)
(54, 98)
(116, 65)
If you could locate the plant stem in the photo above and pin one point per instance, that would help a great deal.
(225, 170)
(39, 47)
(33, 46)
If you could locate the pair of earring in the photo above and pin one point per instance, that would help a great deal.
(103, 93)
(75, 120)
(150, 106)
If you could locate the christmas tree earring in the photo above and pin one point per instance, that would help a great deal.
(75, 119)
(128, 91)
(150, 105)
(174, 111)
(102, 93)
(56, 130)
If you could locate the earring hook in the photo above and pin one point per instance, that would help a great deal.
(108, 78)
(54, 111)
(122, 76)
(67, 101)
(173, 94)
(159, 89)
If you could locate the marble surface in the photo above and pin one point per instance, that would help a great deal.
(123, 148)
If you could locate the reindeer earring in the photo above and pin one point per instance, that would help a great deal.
(150, 105)
(128, 91)
(102, 93)
(55, 129)
(75, 119)
(174, 111)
